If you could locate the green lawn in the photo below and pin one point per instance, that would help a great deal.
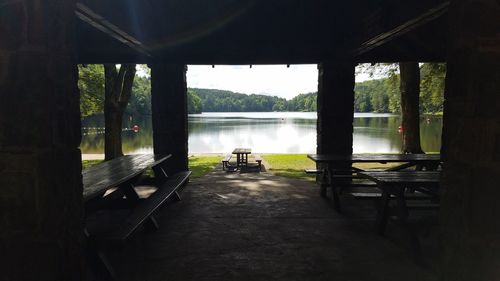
(290, 165)
(89, 163)
(293, 165)
(199, 165)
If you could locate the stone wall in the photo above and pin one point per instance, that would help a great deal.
(471, 144)
(335, 108)
(169, 106)
(40, 163)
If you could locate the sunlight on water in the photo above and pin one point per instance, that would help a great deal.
(273, 132)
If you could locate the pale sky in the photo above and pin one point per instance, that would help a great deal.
(275, 80)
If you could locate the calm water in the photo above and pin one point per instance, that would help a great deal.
(267, 132)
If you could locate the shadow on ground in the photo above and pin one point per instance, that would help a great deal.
(256, 226)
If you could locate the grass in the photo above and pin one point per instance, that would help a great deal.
(90, 163)
(199, 165)
(202, 165)
(289, 165)
(293, 165)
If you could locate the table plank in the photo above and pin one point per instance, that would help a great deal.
(97, 179)
(374, 158)
(404, 177)
(242, 151)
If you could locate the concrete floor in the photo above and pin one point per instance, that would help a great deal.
(251, 226)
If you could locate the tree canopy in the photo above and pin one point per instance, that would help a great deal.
(378, 95)
(193, 102)
(91, 85)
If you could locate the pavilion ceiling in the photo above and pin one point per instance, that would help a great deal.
(258, 31)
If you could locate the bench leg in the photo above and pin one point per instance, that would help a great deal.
(383, 212)
(323, 183)
(414, 241)
(130, 193)
(152, 224)
(402, 213)
(335, 198)
(176, 196)
(97, 261)
(100, 266)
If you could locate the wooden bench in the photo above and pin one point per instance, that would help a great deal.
(113, 182)
(258, 159)
(394, 184)
(225, 162)
(142, 210)
(313, 171)
(339, 180)
(146, 208)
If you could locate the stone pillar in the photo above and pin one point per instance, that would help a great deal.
(169, 105)
(335, 113)
(470, 206)
(40, 163)
(335, 108)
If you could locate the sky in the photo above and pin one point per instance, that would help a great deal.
(275, 80)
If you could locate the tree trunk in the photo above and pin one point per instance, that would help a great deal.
(118, 88)
(410, 91)
(113, 133)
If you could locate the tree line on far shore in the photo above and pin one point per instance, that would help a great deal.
(378, 95)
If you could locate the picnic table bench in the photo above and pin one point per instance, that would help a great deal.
(225, 162)
(113, 183)
(258, 159)
(337, 178)
(241, 160)
(242, 156)
(395, 183)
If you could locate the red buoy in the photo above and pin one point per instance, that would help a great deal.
(135, 128)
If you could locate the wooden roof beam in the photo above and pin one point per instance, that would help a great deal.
(402, 29)
(85, 14)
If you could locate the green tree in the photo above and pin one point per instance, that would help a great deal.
(432, 87)
(140, 100)
(193, 102)
(280, 105)
(91, 85)
(118, 89)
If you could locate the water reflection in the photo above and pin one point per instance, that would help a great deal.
(270, 132)
(211, 133)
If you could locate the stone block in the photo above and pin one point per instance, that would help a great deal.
(13, 23)
(169, 105)
(335, 108)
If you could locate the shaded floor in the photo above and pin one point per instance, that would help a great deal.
(232, 226)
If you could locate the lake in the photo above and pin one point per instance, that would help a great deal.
(266, 132)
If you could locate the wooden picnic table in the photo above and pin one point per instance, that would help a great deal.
(410, 159)
(395, 184)
(99, 178)
(331, 164)
(121, 173)
(242, 156)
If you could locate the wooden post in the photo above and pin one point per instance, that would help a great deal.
(471, 144)
(40, 162)
(169, 106)
(335, 108)
(335, 115)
